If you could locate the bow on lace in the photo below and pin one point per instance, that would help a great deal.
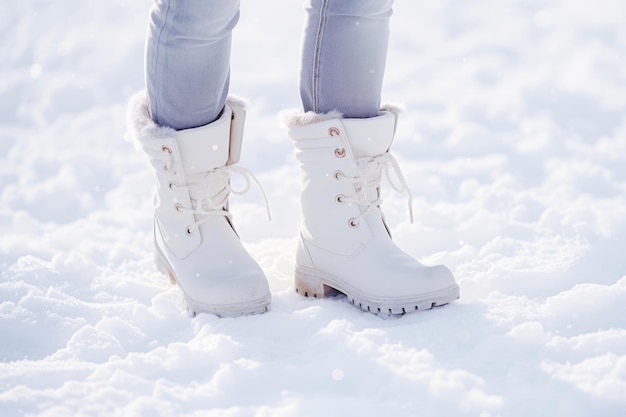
(370, 169)
(209, 192)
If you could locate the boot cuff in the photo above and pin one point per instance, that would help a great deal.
(296, 118)
(139, 123)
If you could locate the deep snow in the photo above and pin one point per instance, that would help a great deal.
(514, 145)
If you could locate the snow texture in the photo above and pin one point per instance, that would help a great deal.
(513, 143)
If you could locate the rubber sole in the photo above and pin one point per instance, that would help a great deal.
(312, 283)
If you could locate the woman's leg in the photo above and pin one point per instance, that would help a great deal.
(187, 76)
(345, 244)
(343, 56)
(188, 60)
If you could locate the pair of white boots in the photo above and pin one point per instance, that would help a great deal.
(344, 243)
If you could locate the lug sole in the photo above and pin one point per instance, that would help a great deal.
(313, 283)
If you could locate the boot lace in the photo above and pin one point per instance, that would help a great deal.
(370, 169)
(209, 192)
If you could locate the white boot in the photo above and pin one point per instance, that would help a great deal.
(345, 244)
(195, 243)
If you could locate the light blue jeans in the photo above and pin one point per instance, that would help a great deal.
(343, 56)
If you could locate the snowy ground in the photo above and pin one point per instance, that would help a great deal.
(514, 144)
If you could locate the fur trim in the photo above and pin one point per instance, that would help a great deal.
(139, 124)
(395, 108)
(238, 101)
(296, 118)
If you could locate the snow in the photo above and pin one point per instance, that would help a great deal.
(513, 143)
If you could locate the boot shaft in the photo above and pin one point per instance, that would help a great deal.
(341, 180)
(188, 166)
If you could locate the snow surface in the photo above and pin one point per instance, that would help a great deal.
(514, 144)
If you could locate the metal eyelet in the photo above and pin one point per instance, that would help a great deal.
(189, 231)
(166, 167)
(338, 175)
(333, 131)
(178, 207)
(340, 152)
(353, 223)
(340, 199)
